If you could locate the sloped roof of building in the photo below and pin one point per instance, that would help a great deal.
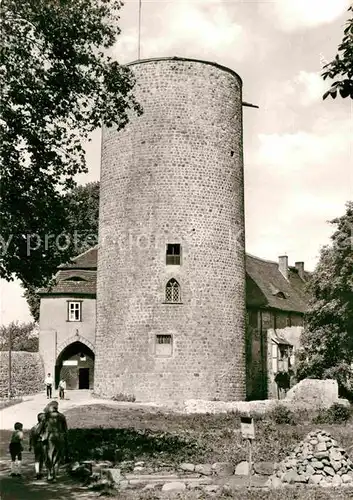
(86, 260)
(266, 287)
(279, 338)
(78, 277)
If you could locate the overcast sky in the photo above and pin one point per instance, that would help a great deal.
(297, 148)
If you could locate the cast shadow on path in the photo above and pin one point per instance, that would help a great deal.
(28, 488)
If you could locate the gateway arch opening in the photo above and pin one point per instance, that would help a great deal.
(75, 365)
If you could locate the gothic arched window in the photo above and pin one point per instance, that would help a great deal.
(172, 291)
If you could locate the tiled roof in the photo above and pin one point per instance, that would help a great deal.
(86, 260)
(267, 287)
(73, 281)
(265, 284)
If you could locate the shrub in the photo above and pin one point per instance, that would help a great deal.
(343, 374)
(27, 373)
(124, 397)
(282, 415)
(119, 445)
(336, 414)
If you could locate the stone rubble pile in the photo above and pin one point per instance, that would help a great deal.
(317, 460)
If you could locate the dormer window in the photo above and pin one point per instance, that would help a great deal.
(277, 293)
(74, 278)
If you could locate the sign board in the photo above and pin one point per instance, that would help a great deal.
(70, 362)
(247, 427)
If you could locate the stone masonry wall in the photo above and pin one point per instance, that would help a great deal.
(27, 373)
(173, 175)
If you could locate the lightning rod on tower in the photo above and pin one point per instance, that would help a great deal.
(139, 32)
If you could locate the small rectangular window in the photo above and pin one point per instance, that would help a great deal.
(75, 310)
(173, 254)
(274, 358)
(164, 345)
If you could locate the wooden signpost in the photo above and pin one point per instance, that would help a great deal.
(247, 429)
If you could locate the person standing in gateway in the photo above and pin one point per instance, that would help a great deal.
(62, 388)
(49, 385)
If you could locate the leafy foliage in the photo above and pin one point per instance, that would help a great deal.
(58, 85)
(125, 444)
(341, 68)
(81, 229)
(327, 340)
(22, 337)
(282, 415)
(82, 207)
(33, 301)
(124, 397)
(336, 414)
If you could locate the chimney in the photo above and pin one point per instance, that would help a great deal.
(283, 265)
(300, 268)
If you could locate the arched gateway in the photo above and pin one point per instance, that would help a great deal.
(75, 364)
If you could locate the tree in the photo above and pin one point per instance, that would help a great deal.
(57, 85)
(82, 206)
(23, 337)
(341, 68)
(328, 337)
(33, 301)
(81, 230)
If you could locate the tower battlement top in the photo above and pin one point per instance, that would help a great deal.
(185, 59)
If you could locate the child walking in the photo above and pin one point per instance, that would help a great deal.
(16, 449)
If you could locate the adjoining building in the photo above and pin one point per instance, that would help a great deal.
(276, 301)
(68, 322)
(275, 305)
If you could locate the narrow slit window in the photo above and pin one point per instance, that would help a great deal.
(172, 291)
(173, 254)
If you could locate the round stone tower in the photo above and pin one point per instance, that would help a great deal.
(171, 272)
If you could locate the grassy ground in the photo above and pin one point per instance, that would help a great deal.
(288, 494)
(5, 403)
(136, 433)
(119, 433)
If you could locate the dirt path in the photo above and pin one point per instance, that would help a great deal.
(28, 488)
(26, 412)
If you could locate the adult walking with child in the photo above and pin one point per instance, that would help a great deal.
(54, 437)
